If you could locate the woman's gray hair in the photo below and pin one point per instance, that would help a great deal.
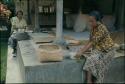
(98, 16)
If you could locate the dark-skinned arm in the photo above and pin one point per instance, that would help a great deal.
(84, 49)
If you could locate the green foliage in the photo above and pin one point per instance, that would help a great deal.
(3, 60)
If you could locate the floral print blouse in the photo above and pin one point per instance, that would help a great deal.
(100, 38)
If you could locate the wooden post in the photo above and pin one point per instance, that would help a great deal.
(28, 11)
(120, 14)
(36, 16)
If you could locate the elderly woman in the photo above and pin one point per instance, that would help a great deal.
(102, 49)
(18, 26)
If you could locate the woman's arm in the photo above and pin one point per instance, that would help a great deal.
(84, 49)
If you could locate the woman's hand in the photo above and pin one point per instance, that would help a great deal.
(78, 55)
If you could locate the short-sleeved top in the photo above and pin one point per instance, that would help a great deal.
(20, 24)
(100, 38)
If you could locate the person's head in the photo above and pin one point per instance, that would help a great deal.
(94, 17)
(19, 14)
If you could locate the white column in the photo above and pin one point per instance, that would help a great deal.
(59, 22)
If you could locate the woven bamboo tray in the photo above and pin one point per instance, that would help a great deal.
(43, 39)
(49, 53)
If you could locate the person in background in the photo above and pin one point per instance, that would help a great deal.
(18, 22)
(18, 26)
(102, 49)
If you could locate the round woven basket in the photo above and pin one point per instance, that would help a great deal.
(50, 53)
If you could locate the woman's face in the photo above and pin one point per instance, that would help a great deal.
(92, 21)
(19, 15)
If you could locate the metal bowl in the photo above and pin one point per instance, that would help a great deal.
(22, 36)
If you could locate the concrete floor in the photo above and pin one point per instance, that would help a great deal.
(116, 72)
(13, 74)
